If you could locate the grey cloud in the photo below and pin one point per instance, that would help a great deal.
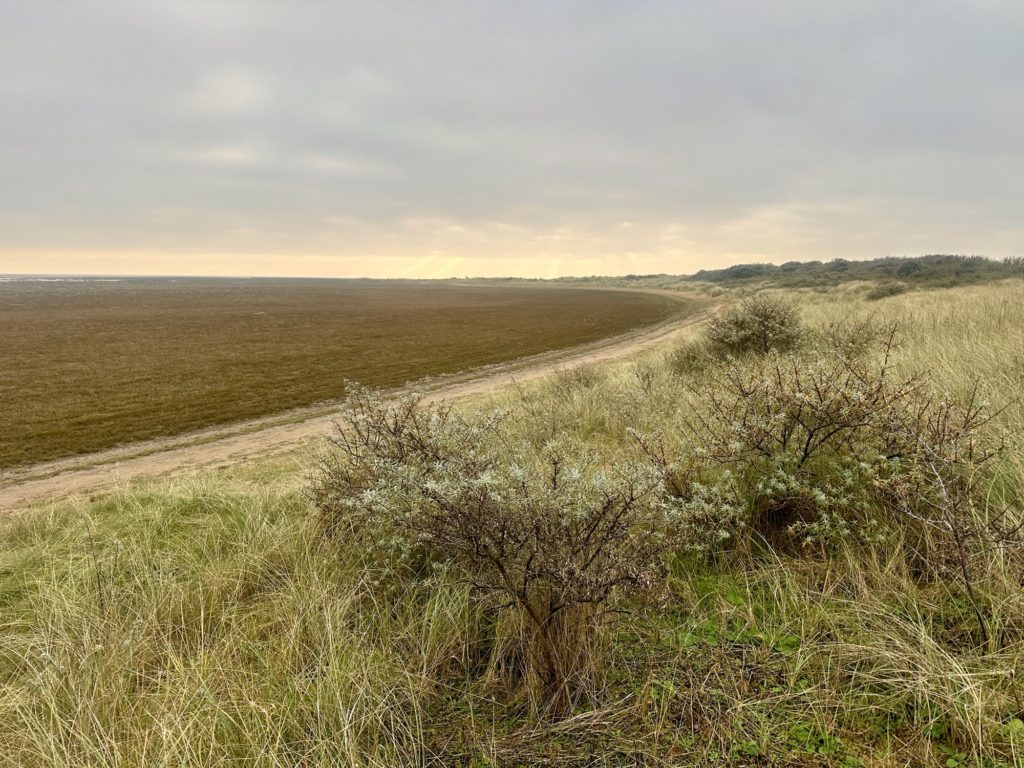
(213, 125)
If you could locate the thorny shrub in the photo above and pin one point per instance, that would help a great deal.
(815, 444)
(757, 326)
(550, 531)
(946, 491)
(839, 448)
(807, 442)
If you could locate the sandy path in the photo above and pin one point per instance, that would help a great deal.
(226, 444)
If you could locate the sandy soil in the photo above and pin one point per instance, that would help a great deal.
(260, 437)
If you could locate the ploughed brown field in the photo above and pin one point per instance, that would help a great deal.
(91, 364)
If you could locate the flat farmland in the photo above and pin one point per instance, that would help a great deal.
(87, 365)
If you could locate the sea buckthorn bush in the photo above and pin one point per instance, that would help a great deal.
(817, 449)
(759, 325)
(552, 532)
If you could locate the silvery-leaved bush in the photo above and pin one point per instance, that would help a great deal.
(759, 325)
(836, 447)
(555, 531)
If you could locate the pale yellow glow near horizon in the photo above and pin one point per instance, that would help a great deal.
(440, 248)
(430, 266)
(382, 267)
(412, 248)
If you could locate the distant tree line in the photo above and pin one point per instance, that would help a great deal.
(935, 270)
(892, 275)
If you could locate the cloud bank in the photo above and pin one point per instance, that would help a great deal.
(533, 138)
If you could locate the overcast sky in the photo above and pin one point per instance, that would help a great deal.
(516, 138)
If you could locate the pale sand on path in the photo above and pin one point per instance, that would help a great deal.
(259, 437)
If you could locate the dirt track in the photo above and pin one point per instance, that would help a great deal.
(226, 444)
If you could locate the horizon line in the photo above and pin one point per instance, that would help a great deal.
(136, 275)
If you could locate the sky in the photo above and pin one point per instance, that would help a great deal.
(436, 139)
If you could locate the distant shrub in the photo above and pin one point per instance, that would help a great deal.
(885, 290)
(758, 325)
(909, 269)
(547, 531)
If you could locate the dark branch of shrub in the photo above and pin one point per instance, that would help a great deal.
(557, 535)
(945, 486)
(842, 449)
